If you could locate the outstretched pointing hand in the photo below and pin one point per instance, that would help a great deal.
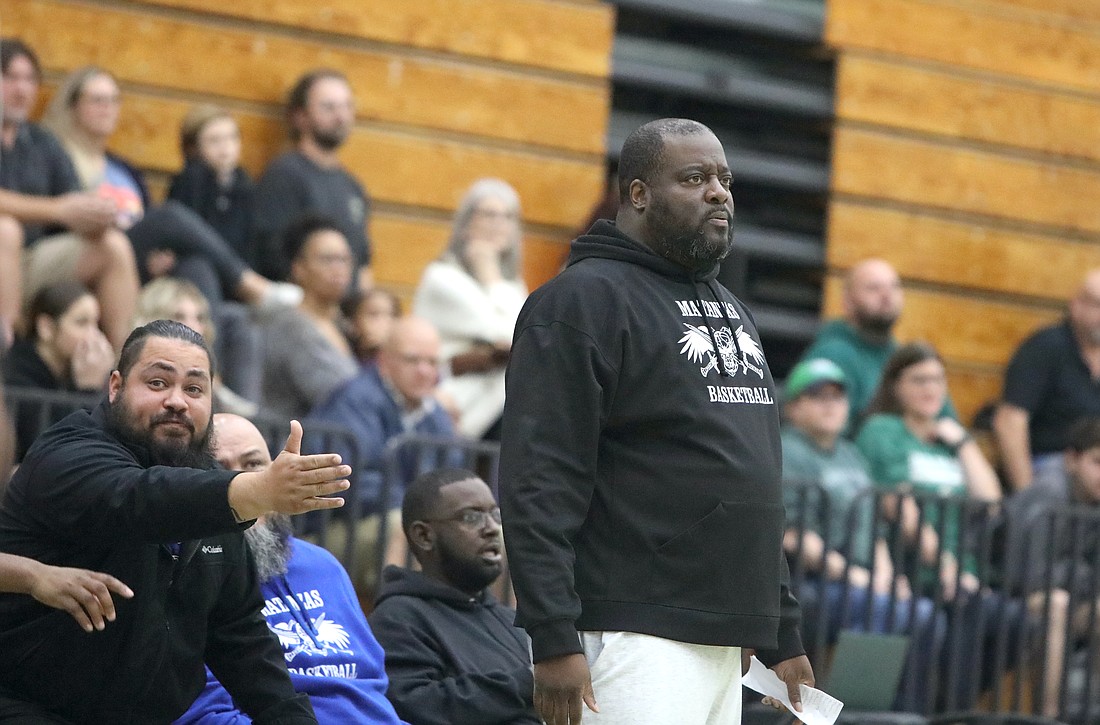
(293, 484)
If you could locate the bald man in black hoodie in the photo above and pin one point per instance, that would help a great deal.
(641, 460)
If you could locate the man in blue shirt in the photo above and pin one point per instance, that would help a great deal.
(395, 396)
(309, 604)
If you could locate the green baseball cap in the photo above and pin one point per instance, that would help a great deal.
(812, 373)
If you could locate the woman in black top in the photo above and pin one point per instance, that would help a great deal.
(65, 350)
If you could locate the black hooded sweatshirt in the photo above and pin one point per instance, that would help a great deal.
(641, 465)
(452, 659)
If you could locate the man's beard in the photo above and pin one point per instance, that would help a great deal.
(877, 324)
(195, 453)
(269, 541)
(471, 575)
(692, 249)
(329, 140)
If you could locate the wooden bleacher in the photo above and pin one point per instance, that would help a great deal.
(967, 153)
(447, 92)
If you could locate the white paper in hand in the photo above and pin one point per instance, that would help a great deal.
(818, 708)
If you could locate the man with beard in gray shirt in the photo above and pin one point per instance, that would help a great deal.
(310, 178)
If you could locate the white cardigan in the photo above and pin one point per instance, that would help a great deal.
(464, 312)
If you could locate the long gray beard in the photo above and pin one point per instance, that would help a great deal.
(269, 542)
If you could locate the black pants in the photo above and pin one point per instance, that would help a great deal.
(202, 256)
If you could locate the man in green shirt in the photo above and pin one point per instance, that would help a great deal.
(862, 341)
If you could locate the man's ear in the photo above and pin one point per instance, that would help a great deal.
(421, 536)
(639, 195)
(114, 385)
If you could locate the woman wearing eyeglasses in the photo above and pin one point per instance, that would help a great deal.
(942, 480)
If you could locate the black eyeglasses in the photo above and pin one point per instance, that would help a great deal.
(472, 518)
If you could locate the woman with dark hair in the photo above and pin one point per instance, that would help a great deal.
(169, 238)
(912, 449)
(64, 350)
(473, 295)
(308, 354)
(934, 466)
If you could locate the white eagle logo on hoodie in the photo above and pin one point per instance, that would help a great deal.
(697, 345)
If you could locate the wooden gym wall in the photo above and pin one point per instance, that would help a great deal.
(967, 153)
(447, 91)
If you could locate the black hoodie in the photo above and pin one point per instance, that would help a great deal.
(640, 472)
(452, 659)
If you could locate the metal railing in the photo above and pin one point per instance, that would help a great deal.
(989, 649)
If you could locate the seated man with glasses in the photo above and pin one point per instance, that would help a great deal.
(453, 655)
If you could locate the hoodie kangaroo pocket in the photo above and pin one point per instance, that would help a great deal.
(726, 562)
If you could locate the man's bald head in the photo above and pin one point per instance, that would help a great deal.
(872, 296)
(410, 359)
(1084, 309)
(238, 444)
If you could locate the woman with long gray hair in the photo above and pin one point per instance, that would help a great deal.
(473, 294)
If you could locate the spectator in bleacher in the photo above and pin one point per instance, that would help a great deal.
(862, 341)
(915, 451)
(848, 566)
(309, 604)
(130, 489)
(235, 340)
(473, 295)
(371, 315)
(167, 238)
(310, 179)
(1050, 382)
(453, 653)
(64, 350)
(307, 353)
(1046, 552)
(383, 401)
(212, 182)
(51, 231)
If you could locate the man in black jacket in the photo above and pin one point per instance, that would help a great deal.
(453, 655)
(131, 490)
(641, 462)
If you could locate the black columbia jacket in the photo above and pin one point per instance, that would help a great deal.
(83, 499)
